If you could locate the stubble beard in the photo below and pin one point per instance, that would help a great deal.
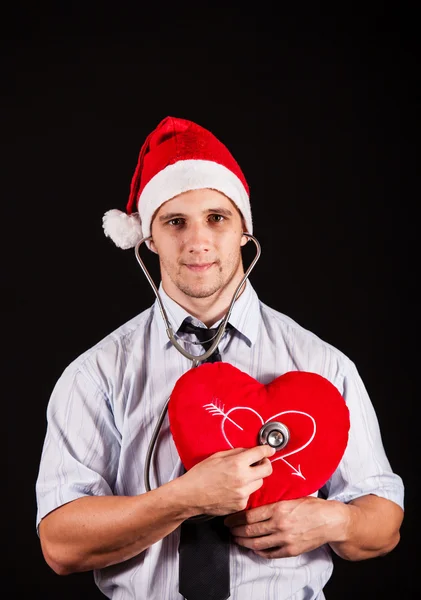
(204, 290)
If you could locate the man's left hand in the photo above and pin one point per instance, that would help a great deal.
(289, 527)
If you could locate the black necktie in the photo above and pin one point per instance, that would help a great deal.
(204, 544)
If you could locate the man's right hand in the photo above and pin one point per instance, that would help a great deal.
(222, 483)
(94, 532)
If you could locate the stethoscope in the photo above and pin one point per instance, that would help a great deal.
(274, 433)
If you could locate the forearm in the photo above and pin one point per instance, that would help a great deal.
(370, 528)
(97, 531)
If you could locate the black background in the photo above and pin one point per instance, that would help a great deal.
(317, 106)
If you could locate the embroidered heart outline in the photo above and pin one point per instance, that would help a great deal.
(214, 409)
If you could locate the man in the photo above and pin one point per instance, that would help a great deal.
(190, 199)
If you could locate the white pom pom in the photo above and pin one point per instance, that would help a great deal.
(124, 230)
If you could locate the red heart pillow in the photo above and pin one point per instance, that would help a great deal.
(216, 407)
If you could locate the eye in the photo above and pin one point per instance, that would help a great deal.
(175, 222)
(217, 218)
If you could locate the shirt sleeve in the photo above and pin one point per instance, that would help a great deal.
(81, 446)
(364, 468)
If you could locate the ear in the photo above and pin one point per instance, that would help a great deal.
(152, 246)
(244, 238)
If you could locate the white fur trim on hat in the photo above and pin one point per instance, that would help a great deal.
(125, 230)
(186, 175)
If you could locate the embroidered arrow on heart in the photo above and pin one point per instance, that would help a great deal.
(216, 410)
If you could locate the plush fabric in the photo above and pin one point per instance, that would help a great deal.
(216, 407)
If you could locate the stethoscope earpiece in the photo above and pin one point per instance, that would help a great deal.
(275, 434)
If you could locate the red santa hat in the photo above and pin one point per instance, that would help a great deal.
(177, 156)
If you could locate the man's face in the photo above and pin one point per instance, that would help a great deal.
(197, 236)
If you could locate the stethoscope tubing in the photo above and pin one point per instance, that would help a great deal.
(196, 360)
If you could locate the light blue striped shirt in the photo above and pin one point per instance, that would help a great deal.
(104, 408)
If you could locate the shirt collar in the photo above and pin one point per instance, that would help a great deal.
(245, 315)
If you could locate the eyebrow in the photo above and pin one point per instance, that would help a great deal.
(177, 215)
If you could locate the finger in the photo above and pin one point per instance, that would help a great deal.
(259, 472)
(253, 486)
(257, 453)
(254, 530)
(263, 542)
(230, 452)
(263, 468)
(236, 519)
(253, 515)
(276, 552)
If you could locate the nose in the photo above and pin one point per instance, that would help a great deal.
(198, 238)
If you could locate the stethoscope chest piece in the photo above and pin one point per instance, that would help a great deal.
(274, 434)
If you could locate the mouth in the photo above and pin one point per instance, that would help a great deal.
(198, 268)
